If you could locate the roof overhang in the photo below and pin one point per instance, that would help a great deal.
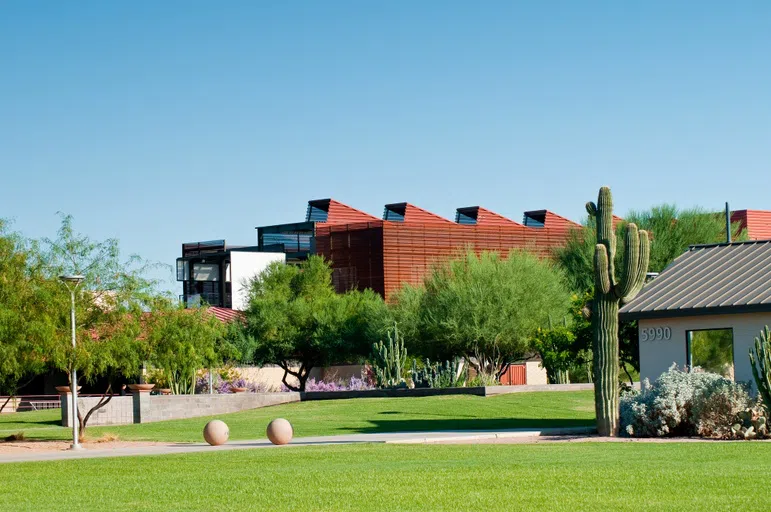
(286, 228)
(679, 313)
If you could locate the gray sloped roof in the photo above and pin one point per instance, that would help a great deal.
(708, 279)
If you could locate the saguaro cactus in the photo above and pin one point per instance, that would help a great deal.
(608, 293)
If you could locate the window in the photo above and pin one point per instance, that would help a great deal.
(535, 219)
(183, 270)
(316, 214)
(466, 217)
(206, 272)
(712, 350)
(395, 212)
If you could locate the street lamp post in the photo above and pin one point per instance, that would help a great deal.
(72, 282)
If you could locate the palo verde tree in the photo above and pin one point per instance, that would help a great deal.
(486, 308)
(24, 328)
(296, 320)
(109, 304)
(183, 341)
(609, 291)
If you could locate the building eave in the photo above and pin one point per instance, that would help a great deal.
(679, 313)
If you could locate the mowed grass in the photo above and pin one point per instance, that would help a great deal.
(554, 477)
(333, 417)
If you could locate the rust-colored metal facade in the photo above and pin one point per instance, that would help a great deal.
(384, 255)
(515, 375)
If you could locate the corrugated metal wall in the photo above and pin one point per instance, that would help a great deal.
(515, 375)
(409, 250)
(356, 254)
(366, 252)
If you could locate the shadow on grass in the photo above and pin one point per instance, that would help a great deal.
(19, 421)
(429, 425)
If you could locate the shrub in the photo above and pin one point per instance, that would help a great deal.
(224, 387)
(353, 384)
(450, 375)
(720, 404)
(683, 403)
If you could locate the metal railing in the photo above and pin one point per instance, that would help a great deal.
(26, 403)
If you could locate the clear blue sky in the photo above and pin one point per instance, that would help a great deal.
(163, 122)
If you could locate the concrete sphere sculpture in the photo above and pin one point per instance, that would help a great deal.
(216, 432)
(280, 431)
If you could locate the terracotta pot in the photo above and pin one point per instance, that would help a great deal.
(165, 391)
(238, 390)
(65, 389)
(141, 387)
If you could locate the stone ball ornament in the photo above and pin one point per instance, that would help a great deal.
(280, 431)
(216, 432)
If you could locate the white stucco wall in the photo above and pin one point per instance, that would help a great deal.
(657, 356)
(535, 373)
(244, 266)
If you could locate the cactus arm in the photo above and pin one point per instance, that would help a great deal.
(601, 270)
(645, 253)
(591, 209)
(631, 271)
(605, 233)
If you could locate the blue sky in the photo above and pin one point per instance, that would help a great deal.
(164, 122)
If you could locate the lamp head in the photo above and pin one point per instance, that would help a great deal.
(71, 279)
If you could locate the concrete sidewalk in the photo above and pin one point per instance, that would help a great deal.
(389, 438)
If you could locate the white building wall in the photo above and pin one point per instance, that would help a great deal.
(244, 266)
(535, 373)
(658, 355)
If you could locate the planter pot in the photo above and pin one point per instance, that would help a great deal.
(239, 390)
(65, 389)
(165, 391)
(141, 387)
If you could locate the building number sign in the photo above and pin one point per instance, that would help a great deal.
(655, 333)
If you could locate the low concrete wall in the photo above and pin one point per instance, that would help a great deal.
(390, 393)
(118, 411)
(504, 390)
(172, 407)
(146, 408)
(416, 392)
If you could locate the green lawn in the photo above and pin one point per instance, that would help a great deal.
(554, 477)
(330, 417)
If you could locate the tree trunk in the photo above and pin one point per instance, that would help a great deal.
(6, 403)
(301, 375)
(605, 354)
(102, 402)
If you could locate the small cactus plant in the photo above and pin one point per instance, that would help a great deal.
(608, 293)
(761, 365)
(449, 375)
(389, 360)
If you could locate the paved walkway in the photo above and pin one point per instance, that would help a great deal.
(395, 438)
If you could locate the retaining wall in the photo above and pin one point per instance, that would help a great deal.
(416, 392)
(146, 408)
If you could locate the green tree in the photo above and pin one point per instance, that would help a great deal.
(24, 330)
(296, 320)
(183, 341)
(486, 308)
(109, 304)
(671, 232)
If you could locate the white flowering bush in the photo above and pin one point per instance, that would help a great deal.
(681, 403)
